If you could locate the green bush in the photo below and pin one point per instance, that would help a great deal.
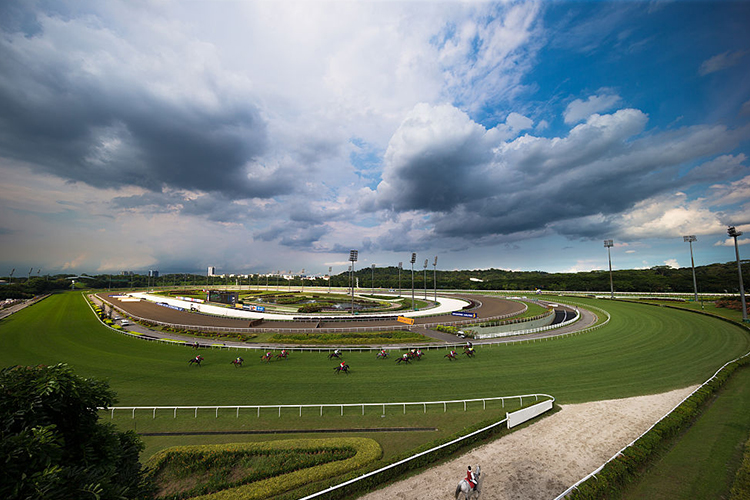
(366, 451)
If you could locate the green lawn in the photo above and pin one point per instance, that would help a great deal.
(644, 349)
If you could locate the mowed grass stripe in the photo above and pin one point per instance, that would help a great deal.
(644, 349)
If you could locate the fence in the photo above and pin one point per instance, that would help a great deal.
(340, 406)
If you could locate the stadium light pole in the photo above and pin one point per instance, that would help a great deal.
(609, 244)
(372, 280)
(11, 275)
(734, 234)
(424, 278)
(434, 277)
(413, 260)
(329, 279)
(690, 239)
(400, 266)
(353, 254)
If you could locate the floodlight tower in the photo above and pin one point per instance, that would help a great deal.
(734, 234)
(434, 277)
(353, 254)
(424, 278)
(609, 244)
(372, 281)
(400, 266)
(329, 279)
(413, 260)
(690, 239)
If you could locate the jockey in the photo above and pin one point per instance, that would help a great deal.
(453, 353)
(468, 345)
(342, 365)
(382, 352)
(337, 352)
(405, 357)
(268, 355)
(239, 360)
(471, 478)
(283, 353)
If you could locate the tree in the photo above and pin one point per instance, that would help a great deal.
(52, 442)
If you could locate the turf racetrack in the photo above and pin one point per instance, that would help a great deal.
(644, 349)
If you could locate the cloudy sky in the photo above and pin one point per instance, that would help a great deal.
(269, 135)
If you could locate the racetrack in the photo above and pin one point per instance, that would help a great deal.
(489, 307)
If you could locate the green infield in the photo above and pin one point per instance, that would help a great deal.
(644, 349)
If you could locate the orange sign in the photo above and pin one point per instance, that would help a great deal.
(404, 319)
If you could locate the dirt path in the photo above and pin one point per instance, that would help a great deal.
(542, 460)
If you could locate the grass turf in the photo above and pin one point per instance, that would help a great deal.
(644, 349)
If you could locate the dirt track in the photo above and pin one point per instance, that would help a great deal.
(490, 307)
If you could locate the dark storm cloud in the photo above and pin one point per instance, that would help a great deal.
(468, 184)
(63, 112)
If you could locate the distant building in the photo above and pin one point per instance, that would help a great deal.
(211, 271)
(153, 273)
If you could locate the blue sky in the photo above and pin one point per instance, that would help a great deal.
(276, 135)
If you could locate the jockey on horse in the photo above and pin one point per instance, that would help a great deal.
(404, 357)
(471, 478)
(451, 356)
(382, 354)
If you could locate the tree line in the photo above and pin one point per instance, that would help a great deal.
(713, 278)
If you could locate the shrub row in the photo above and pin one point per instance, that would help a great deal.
(625, 467)
(367, 451)
(217, 470)
(350, 337)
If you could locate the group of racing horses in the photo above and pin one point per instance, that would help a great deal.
(407, 357)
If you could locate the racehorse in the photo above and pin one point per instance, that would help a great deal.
(464, 488)
(266, 357)
(196, 359)
(382, 354)
(470, 352)
(451, 356)
(415, 354)
(282, 355)
(338, 369)
(238, 362)
(335, 354)
(405, 357)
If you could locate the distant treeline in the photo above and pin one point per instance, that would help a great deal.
(714, 278)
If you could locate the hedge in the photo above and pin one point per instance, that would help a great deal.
(367, 451)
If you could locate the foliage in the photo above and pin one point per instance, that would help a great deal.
(349, 338)
(733, 303)
(53, 444)
(280, 480)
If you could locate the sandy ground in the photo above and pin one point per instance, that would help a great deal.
(543, 459)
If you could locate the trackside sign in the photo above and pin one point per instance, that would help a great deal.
(464, 314)
(404, 319)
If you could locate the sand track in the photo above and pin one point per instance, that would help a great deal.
(542, 460)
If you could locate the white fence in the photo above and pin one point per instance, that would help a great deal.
(340, 406)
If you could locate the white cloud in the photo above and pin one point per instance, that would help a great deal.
(672, 263)
(721, 61)
(579, 110)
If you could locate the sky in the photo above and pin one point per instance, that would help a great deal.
(274, 135)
